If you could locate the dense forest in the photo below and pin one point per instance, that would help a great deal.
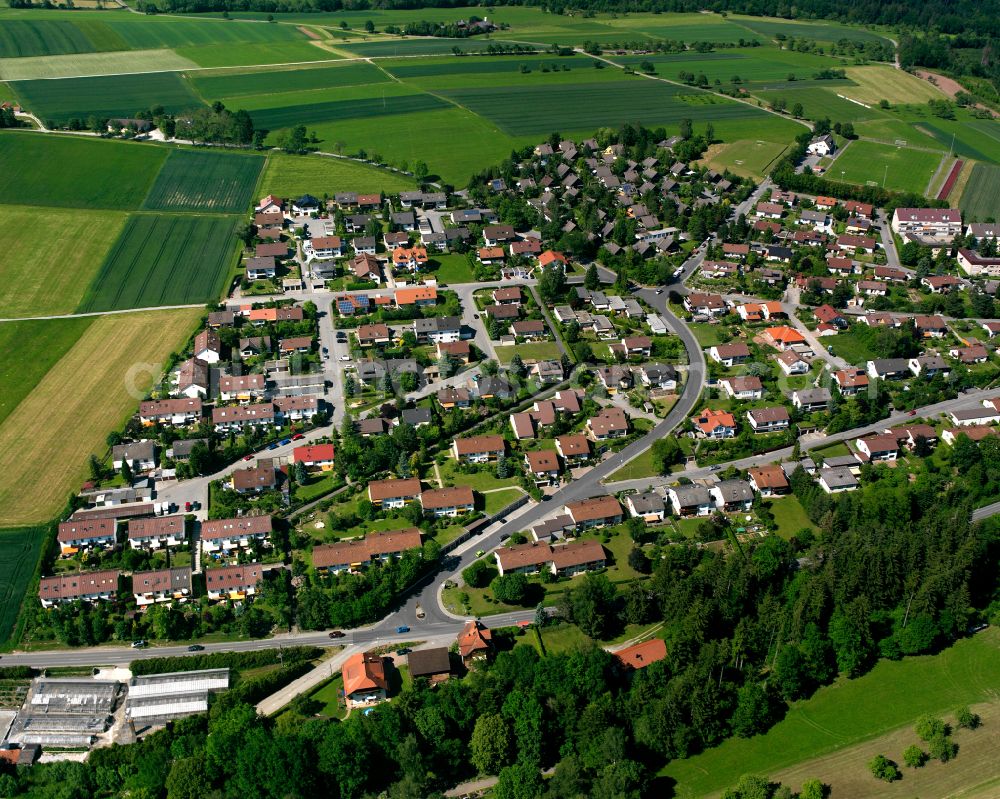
(892, 570)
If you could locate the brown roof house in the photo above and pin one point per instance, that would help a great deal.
(431, 664)
(355, 554)
(563, 559)
(72, 586)
(478, 449)
(451, 502)
(393, 493)
(475, 642)
(595, 512)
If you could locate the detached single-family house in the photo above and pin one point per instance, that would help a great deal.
(365, 681)
(743, 388)
(768, 420)
(729, 354)
(768, 481)
(690, 500)
(573, 448)
(888, 368)
(877, 448)
(648, 506)
(715, 424)
(810, 400)
(139, 455)
(732, 495)
(543, 465)
(594, 512)
(837, 479)
(478, 449)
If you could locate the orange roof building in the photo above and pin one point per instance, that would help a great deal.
(475, 642)
(364, 679)
(416, 295)
(638, 656)
(552, 257)
(783, 336)
(715, 424)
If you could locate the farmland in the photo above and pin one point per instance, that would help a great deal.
(85, 64)
(20, 548)
(205, 181)
(293, 176)
(28, 349)
(879, 82)
(69, 172)
(89, 391)
(902, 168)
(981, 198)
(343, 110)
(815, 31)
(111, 96)
(893, 694)
(821, 102)
(48, 274)
(523, 111)
(164, 260)
(230, 85)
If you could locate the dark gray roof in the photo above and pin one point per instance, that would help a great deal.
(416, 416)
(428, 662)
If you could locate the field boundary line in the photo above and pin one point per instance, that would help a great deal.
(102, 313)
(937, 173)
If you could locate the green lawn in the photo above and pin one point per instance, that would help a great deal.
(851, 346)
(329, 694)
(832, 451)
(477, 481)
(498, 500)
(295, 175)
(530, 351)
(639, 467)
(317, 486)
(708, 335)
(452, 268)
(790, 516)
(848, 712)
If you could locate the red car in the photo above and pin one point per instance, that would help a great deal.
(298, 437)
(248, 457)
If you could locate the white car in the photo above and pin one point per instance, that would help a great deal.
(345, 357)
(679, 271)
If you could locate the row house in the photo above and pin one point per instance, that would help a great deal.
(594, 512)
(79, 586)
(179, 412)
(161, 585)
(226, 535)
(159, 532)
(478, 449)
(85, 535)
(568, 559)
(233, 582)
(356, 554)
(237, 417)
(242, 388)
(394, 492)
(448, 502)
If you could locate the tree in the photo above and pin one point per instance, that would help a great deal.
(942, 748)
(930, 726)
(591, 280)
(420, 171)
(490, 744)
(552, 283)
(750, 786)
(187, 778)
(592, 605)
(665, 453)
(966, 719)
(96, 468)
(884, 769)
(520, 781)
(517, 366)
(753, 712)
(126, 473)
(914, 756)
(637, 560)
(510, 589)
(797, 110)
(812, 789)
(369, 26)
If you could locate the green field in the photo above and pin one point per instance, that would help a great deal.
(903, 169)
(69, 172)
(20, 548)
(981, 198)
(452, 268)
(28, 349)
(239, 55)
(112, 96)
(978, 139)
(310, 114)
(530, 351)
(755, 67)
(821, 102)
(748, 158)
(273, 81)
(205, 181)
(524, 111)
(164, 260)
(34, 33)
(850, 711)
(49, 273)
(294, 175)
(815, 31)
(789, 515)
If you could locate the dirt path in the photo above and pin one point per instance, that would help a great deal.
(949, 86)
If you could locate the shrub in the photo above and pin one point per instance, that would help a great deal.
(930, 726)
(914, 756)
(966, 719)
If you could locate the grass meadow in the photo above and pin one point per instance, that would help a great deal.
(164, 260)
(106, 96)
(902, 168)
(750, 158)
(28, 349)
(981, 198)
(893, 694)
(69, 172)
(87, 64)
(99, 380)
(882, 82)
(49, 273)
(294, 175)
(271, 81)
(205, 181)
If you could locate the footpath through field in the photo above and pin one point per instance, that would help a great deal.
(103, 313)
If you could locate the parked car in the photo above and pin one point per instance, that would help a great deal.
(138, 644)
(298, 437)
(273, 445)
(285, 441)
(187, 507)
(403, 651)
(248, 457)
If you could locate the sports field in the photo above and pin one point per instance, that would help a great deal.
(750, 158)
(205, 181)
(28, 349)
(68, 172)
(112, 96)
(981, 199)
(848, 712)
(50, 257)
(293, 176)
(164, 260)
(46, 441)
(20, 548)
(902, 169)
